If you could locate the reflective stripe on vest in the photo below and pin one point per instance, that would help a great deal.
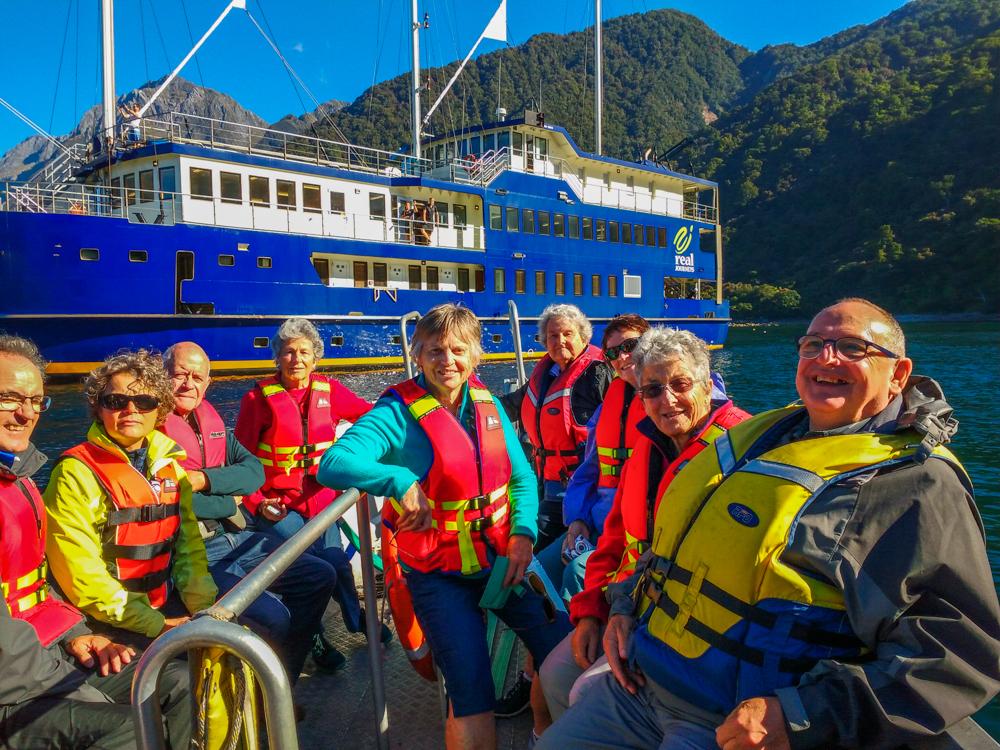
(287, 454)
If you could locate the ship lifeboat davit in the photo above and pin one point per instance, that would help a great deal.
(411, 635)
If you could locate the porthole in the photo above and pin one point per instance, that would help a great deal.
(336, 341)
(497, 338)
(227, 260)
(263, 262)
(90, 253)
(138, 256)
(261, 342)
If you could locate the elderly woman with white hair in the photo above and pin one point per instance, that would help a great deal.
(287, 421)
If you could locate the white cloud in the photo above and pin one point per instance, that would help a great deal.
(299, 47)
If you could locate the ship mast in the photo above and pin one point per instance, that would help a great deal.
(415, 92)
(598, 77)
(108, 65)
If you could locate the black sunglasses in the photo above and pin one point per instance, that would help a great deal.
(850, 348)
(118, 401)
(626, 347)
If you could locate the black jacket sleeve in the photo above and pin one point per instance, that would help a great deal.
(242, 475)
(589, 391)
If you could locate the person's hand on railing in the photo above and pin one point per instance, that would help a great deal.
(111, 656)
(415, 511)
(169, 623)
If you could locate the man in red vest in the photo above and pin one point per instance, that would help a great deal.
(61, 686)
(221, 472)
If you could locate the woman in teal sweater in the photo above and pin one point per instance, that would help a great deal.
(461, 494)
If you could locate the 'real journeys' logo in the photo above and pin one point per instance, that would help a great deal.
(682, 243)
(743, 515)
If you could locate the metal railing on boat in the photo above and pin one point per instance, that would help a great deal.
(216, 627)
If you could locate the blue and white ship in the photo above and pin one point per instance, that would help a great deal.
(181, 227)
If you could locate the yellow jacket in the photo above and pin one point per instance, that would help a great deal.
(77, 508)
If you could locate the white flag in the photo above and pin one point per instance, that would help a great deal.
(497, 28)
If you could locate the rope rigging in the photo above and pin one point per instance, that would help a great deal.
(62, 54)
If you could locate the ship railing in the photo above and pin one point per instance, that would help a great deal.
(62, 165)
(216, 627)
(182, 128)
(70, 198)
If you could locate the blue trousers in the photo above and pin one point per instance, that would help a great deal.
(291, 610)
(329, 547)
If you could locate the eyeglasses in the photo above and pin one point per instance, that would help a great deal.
(676, 387)
(626, 347)
(118, 401)
(11, 401)
(850, 348)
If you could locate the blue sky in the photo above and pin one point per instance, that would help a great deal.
(338, 47)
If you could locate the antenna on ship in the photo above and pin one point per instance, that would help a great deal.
(598, 77)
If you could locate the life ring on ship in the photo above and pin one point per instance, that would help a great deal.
(411, 635)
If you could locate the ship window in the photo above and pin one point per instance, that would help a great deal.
(630, 183)
(441, 214)
(432, 278)
(376, 206)
(480, 279)
(499, 280)
(496, 221)
(595, 285)
(601, 230)
(439, 153)
(543, 222)
(397, 340)
(116, 193)
(674, 288)
(360, 274)
(652, 190)
(708, 292)
(261, 342)
(627, 233)
(201, 184)
(286, 194)
(128, 186)
(168, 183)
(632, 286)
(518, 143)
(607, 180)
(322, 268)
(574, 227)
(541, 147)
(380, 271)
(337, 205)
(539, 282)
(613, 231)
(560, 283)
(588, 228)
(650, 236)
(578, 284)
(415, 277)
(661, 236)
(146, 186)
(497, 338)
(558, 225)
(528, 220)
(260, 191)
(612, 286)
(227, 260)
(503, 139)
(511, 219)
(463, 280)
(337, 340)
(474, 144)
(138, 256)
(90, 253)
(263, 262)
(488, 140)
(638, 235)
(230, 187)
(311, 198)
(536, 338)
(519, 281)
(706, 240)
(461, 215)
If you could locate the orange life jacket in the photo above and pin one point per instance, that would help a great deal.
(640, 499)
(143, 523)
(291, 447)
(548, 420)
(206, 446)
(22, 562)
(466, 485)
(615, 434)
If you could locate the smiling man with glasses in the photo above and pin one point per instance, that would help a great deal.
(817, 578)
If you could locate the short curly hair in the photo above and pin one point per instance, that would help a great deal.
(297, 328)
(146, 366)
(571, 314)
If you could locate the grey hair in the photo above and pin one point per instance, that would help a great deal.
(16, 346)
(572, 313)
(297, 328)
(659, 345)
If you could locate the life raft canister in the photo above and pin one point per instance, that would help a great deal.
(141, 525)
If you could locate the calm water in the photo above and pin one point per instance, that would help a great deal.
(758, 365)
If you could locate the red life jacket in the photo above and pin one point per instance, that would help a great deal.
(549, 422)
(22, 562)
(615, 434)
(291, 447)
(466, 485)
(639, 503)
(206, 446)
(140, 529)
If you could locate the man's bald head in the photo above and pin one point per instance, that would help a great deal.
(880, 321)
(189, 369)
(183, 349)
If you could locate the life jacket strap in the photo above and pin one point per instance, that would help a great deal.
(142, 514)
(139, 551)
(146, 583)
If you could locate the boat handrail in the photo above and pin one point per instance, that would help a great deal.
(216, 626)
(515, 329)
(404, 339)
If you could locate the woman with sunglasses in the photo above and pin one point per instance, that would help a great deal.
(462, 494)
(122, 535)
(684, 409)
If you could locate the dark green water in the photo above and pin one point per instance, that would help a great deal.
(758, 365)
